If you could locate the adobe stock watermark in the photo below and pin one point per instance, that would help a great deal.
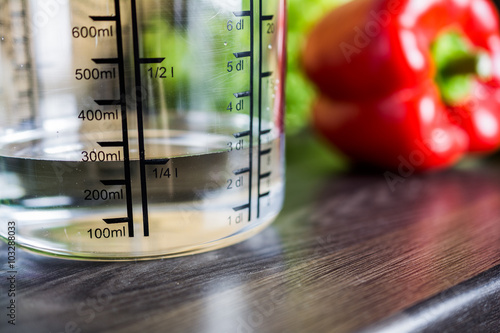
(11, 273)
(408, 164)
(262, 309)
(89, 309)
(363, 36)
(47, 10)
(416, 158)
(39, 14)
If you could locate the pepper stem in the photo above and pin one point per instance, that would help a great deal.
(468, 64)
(458, 63)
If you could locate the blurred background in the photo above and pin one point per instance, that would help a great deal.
(300, 93)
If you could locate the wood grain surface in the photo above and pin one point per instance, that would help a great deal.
(347, 254)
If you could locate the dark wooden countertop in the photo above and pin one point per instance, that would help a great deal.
(346, 254)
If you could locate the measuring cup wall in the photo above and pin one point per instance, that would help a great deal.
(138, 129)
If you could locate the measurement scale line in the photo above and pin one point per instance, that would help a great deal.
(265, 175)
(140, 120)
(243, 54)
(241, 171)
(114, 182)
(123, 103)
(161, 161)
(264, 195)
(105, 60)
(266, 74)
(110, 143)
(242, 134)
(252, 112)
(267, 131)
(117, 220)
(105, 102)
(265, 152)
(242, 94)
(266, 17)
(104, 18)
(243, 13)
(237, 209)
(151, 60)
(261, 74)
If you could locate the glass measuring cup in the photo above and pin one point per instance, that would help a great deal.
(140, 129)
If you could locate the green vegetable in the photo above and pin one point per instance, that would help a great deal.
(299, 92)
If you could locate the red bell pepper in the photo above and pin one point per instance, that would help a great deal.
(407, 82)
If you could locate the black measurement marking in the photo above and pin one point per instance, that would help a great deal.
(265, 152)
(161, 161)
(106, 102)
(242, 94)
(105, 18)
(243, 54)
(260, 111)
(241, 171)
(119, 220)
(252, 71)
(114, 182)
(111, 144)
(123, 103)
(105, 60)
(264, 132)
(151, 60)
(243, 13)
(242, 134)
(237, 209)
(264, 195)
(265, 175)
(140, 120)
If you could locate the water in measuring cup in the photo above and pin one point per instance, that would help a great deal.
(201, 80)
(195, 202)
